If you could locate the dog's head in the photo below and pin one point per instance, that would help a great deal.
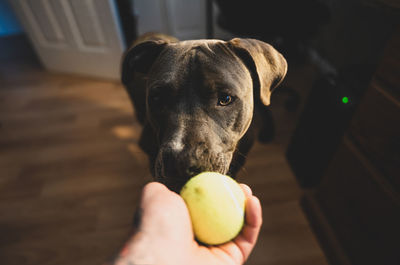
(198, 98)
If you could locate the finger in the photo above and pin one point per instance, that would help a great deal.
(154, 197)
(253, 219)
(249, 234)
(246, 189)
(148, 192)
(163, 209)
(152, 189)
(240, 248)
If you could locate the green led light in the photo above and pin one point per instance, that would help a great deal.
(345, 100)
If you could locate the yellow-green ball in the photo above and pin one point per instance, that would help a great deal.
(216, 205)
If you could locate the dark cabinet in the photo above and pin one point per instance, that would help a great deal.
(355, 208)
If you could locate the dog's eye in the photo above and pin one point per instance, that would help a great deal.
(225, 99)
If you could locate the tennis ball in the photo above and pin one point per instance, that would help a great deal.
(216, 206)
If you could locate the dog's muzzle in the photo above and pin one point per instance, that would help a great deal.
(175, 167)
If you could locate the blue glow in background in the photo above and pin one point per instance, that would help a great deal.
(9, 24)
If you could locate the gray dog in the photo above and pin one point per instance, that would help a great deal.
(202, 103)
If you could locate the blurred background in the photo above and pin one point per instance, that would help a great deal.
(71, 170)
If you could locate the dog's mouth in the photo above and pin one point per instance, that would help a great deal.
(175, 185)
(176, 179)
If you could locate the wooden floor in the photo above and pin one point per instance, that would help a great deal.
(71, 174)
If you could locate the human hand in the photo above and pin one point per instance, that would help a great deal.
(165, 234)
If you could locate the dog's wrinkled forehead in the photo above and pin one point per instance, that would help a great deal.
(210, 61)
(188, 44)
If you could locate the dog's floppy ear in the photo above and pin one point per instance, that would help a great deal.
(136, 63)
(139, 59)
(267, 66)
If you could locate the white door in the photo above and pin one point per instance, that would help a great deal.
(183, 19)
(74, 36)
